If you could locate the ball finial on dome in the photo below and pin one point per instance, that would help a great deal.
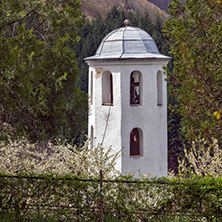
(127, 22)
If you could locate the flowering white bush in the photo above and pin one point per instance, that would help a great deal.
(23, 157)
(203, 159)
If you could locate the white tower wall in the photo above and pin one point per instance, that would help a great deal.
(105, 119)
(149, 117)
(112, 124)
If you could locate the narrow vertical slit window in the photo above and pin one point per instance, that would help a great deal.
(91, 136)
(135, 88)
(159, 89)
(135, 142)
(111, 89)
(91, 88)
(107, 89)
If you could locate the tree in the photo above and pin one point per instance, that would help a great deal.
(38, 69)
(195, 34)
(62, 159)
(158, 37)
(147, 23)
(200, 160)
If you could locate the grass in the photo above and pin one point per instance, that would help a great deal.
(11, 218)
(6, 217)
(171, 219)
(110, 218)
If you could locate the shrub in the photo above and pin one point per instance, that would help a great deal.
(202, 159)
(121, 199)
(23, 157)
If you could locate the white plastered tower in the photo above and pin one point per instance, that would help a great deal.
(128, 100)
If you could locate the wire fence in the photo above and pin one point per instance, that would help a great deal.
(75, 199)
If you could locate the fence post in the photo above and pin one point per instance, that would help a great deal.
(101, 197)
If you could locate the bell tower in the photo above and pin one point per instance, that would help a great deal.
(128, 100)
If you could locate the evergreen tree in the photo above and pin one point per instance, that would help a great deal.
(158, 36)
(176, 138)
(114, 19)
(83, 49)
(147, 23)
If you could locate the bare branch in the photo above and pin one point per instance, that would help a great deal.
(18, 20)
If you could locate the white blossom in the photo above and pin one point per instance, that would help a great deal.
(20, 156)
(203, 159)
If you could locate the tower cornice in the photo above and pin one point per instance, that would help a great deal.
(128, 61)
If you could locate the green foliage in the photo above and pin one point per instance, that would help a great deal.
(124, 198)
(158, 37)
(29, 198)
(195, 34)
(6, 217)
(200, 196)
(38, 69)
(176, 140)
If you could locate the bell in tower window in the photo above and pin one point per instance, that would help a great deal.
(135, 90)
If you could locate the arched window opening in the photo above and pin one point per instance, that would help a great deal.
(136, 142)
(159, 89)
(91, 88)
(107, 88)
(91, 136)
(135, 88)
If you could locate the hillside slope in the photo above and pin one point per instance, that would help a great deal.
(92, 8)
(162, 4)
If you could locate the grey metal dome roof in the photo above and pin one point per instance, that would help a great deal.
(127, 42)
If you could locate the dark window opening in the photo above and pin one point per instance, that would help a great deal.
(107, 89)
(111, 89)
(91, 137)
(91, 88)
(135, 88)
(135, 142)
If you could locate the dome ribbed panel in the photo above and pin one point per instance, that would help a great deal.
(127, 40)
